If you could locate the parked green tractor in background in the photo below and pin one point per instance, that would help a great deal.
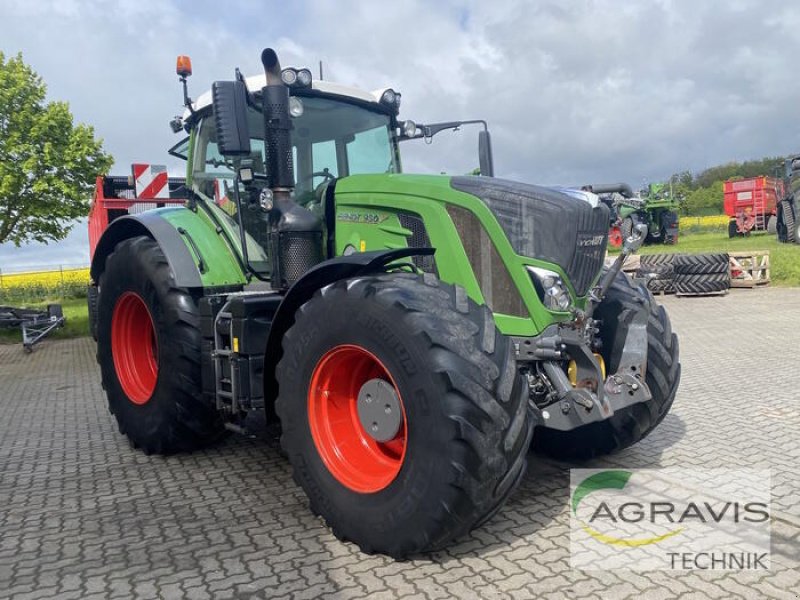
(655, 207)
(411, 336)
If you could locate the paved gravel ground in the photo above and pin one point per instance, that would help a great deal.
(82, 515)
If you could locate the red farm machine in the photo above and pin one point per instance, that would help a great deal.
(752, 204)
(148, 187)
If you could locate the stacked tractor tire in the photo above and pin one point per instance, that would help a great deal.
(686, 274)
(659, 272)
(697, 274)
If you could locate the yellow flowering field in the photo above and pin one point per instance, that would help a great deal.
(33, 285)
(707, 223)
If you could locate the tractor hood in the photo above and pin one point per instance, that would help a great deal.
(545, 224)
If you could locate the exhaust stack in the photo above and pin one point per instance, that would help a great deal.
(278, 125)
(295, 233)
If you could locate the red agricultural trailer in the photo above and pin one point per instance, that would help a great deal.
(751, 204)
(148, 187)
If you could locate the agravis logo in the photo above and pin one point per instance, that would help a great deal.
(611, 480)
(670, 518)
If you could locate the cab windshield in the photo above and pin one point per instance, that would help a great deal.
(330, 139)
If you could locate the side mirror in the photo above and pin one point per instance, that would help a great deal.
(230, 117)
(485, 154)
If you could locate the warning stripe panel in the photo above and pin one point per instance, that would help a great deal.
(152, 181)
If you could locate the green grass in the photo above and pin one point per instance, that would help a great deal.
(76, 325)
(784, 258)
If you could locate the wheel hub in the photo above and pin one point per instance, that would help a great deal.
(362, 444)
(379, 410)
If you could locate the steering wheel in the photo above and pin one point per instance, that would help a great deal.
(325, 174)
(313, 195)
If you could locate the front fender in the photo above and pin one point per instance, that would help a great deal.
(335, 269)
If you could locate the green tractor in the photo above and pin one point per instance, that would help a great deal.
(410, 336)
(655, 207)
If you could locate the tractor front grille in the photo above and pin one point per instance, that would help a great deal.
(418, 239)
(590, 250)
(546, 224)
(497, 287)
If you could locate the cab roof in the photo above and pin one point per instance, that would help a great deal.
(256, 82)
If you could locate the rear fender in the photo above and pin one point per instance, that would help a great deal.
(197, 255)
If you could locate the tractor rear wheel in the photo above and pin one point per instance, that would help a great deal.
(148, 348)
(92, 298)
(631, 424)
(626, 228)
(403, 412)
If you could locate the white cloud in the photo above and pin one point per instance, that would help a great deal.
(574, 92)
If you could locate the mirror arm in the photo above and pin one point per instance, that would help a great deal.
(187, 102)
(431, 130)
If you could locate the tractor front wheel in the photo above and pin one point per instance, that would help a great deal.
(631, 424)
(403, 413)
(148, 347)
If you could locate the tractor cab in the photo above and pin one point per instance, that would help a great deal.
(335, 131)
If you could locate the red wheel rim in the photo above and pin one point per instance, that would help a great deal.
(615, 237)
(134, 347)
(352, 456)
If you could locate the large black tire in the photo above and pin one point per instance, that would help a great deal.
(173, 417)
(733, 228)
(628, 425)
(772, 224)
(626, 228)
(789, 221)
(465, 406)
(700, 284)
(658, 277)
(669, 227)
(699, 264)
(667, 258)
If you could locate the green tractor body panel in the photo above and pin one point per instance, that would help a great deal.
(220, 268)
(370, 214)
(198, 256)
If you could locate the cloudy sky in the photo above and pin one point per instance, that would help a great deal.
(574, 91)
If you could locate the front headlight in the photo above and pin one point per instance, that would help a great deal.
(552, 290)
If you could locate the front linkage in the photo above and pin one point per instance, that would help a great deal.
(566, 401)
